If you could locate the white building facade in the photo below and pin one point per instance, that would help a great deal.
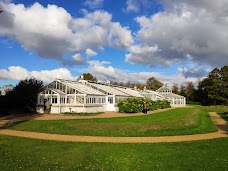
(85, 96)
(174, 99)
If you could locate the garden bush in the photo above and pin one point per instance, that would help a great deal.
(135, 105)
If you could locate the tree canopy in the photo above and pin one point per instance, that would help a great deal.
(175, 89)
(153, 84)
(213, 90)
(23, 98)
(89, 77)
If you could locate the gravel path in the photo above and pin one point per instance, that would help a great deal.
(102, 115)
(219, 122)
(8, 120)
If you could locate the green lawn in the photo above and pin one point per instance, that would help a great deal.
(218, 109)
(221, 110)
(22, 154)
(174, 122)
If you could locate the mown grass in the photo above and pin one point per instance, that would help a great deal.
(221, 110)
(22, 154)
(217, 109)
(180, 121)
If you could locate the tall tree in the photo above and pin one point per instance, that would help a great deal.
(23, 98)
(182, 91)
(153, 84)
(89, 77)
(175, 89)
(214, 88)
(224, 83)
(190, 91)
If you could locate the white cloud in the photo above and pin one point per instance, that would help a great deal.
(52, 32)
(193, 72)
(19, 73)
(141, 54)
(39, 29)
(93, 4)
(90, 52)
(103, 71)
(14, 73)
(136, 5)
(132, 6)
(78, 59)
(197, 28)
(96, 30)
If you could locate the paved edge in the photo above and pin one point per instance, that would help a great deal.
(219, 122)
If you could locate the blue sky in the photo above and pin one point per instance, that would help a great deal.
(133, 40)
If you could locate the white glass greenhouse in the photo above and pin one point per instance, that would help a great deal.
(174, 99)
(85, 96)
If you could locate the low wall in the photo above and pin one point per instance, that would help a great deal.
(177, 105)
(70, 108)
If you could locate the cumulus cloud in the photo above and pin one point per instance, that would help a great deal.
(90, 52)
(136, 5)
(141, 54)
(79, 60)
(132, 5)
(193, 72)
(96, 30)
(19, 73)
(198, 28)
(103, 71)
(94, 4)
(52, 32)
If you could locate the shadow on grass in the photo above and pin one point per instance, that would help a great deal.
(11, 120)
(223, 127)
(224, 116)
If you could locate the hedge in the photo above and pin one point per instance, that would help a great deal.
(135, 105)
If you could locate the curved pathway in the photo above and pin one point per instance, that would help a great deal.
(219, 122)
(102, 115)
(11, 119)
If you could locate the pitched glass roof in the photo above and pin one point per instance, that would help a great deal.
(109, 89)
(129, 91)
(152, 92)
(82, 88)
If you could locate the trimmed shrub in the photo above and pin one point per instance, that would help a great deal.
(135, 105)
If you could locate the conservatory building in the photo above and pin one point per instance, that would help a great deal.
(85, 96)
(174, 99)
